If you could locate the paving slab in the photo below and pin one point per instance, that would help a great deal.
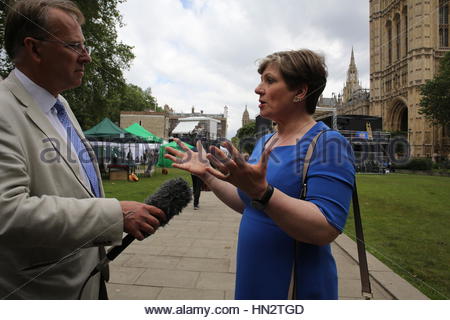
(124, 275)
(216, 280)
(168, 278)
(190, 294)
(132, 292)
(204, 264)
(153, 262)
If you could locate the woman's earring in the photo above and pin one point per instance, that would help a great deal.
(297, 99)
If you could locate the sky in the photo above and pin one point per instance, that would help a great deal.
(204, 53)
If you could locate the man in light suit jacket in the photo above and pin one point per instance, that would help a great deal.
(54, 220)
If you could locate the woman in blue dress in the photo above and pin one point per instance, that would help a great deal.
(281, 234)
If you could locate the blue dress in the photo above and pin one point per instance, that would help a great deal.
(265, 253)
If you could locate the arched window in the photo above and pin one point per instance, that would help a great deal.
(405, 31)
(389, 41)
(397, 36)
(443, 24)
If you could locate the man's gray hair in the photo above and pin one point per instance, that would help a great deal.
(29, 18)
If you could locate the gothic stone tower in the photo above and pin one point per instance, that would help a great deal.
(407, 38)
(352, 85)
(355, 99)
(245, 117)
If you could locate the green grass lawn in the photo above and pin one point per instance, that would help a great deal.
(406, 221)
(140, 190)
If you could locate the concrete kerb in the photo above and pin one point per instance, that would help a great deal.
(396, 286)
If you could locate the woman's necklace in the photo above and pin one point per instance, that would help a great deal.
(279, 141)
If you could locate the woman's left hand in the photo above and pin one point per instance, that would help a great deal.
(250, 178)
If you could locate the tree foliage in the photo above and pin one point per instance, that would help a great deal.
(132, 98)
(104, 91)
(235, 142)
(5, 64)
(246, 137)
(248, 130)
(435, 101)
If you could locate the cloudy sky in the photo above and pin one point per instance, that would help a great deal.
(204, 53)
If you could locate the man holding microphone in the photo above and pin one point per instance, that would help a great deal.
(54, 220)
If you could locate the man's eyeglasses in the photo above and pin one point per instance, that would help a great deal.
(77, 47)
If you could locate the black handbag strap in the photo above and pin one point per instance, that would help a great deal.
(362, 258)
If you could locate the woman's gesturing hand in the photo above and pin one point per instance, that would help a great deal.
(189, 160)
(250, 178)
(232, 168)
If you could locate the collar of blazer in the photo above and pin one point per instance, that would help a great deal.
(36, 115)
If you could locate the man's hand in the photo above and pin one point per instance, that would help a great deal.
(140, 219)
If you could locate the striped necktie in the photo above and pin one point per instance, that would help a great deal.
(78, 145)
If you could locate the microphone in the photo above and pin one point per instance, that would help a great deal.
(172, 197)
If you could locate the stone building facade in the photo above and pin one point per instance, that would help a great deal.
(324, 105)
(155, 122)
(407, 39)
(358, 105)
(162, 123)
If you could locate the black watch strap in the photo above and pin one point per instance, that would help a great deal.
(260, 204)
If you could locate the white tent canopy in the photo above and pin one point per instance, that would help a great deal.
(185, 127)
(199, 119)
(206, 125)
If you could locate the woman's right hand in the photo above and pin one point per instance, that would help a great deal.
(191, 161)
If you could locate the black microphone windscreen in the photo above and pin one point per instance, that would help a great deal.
(172, 197)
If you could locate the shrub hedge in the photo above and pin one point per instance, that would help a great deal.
(416, 164)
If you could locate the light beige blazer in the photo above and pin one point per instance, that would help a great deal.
(51, 226)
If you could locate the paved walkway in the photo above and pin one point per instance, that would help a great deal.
(193, 257)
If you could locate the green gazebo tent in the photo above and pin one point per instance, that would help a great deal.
(139, 131)
(106, 130)
(166, 163)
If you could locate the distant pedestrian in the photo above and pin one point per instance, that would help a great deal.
(197, 185)
(144, 156)
(151, 160)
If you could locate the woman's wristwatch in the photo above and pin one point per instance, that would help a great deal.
(261, 204)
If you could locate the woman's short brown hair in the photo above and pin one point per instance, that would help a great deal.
(299, 67)
(29, 18)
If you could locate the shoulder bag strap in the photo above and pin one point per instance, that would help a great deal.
(309, 153)
(293, 287)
